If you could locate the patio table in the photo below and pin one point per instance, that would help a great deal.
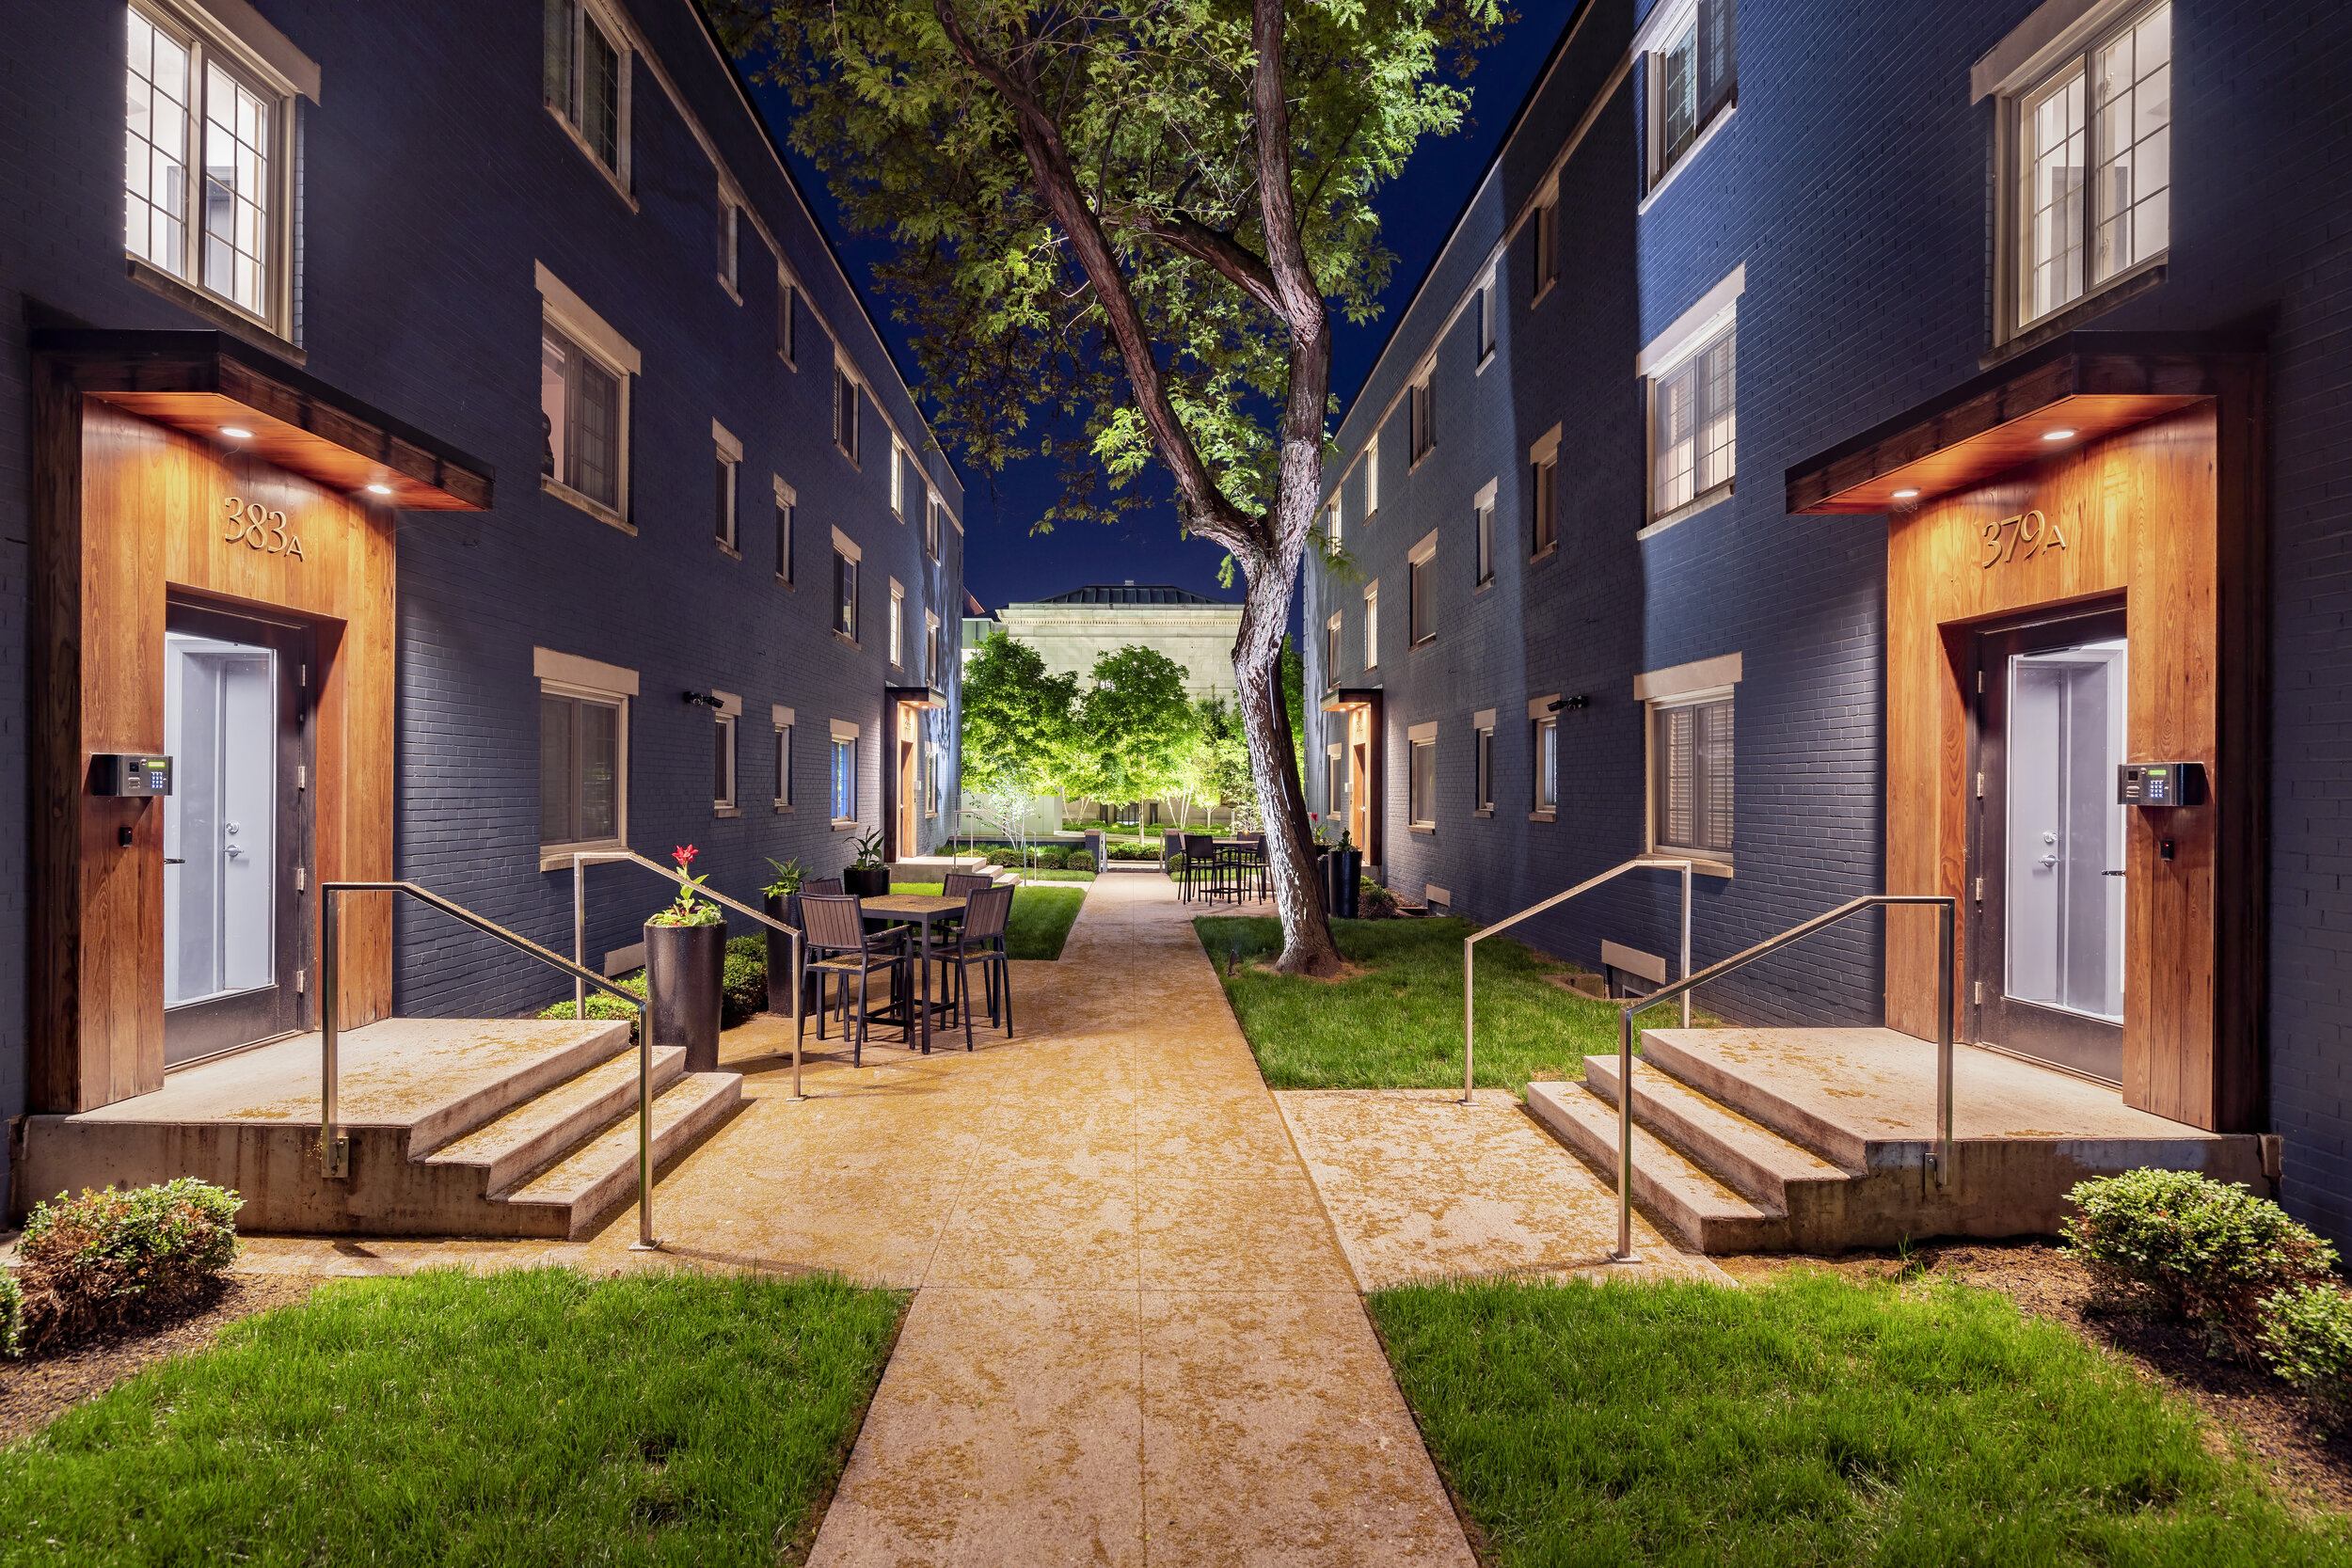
(918, 909)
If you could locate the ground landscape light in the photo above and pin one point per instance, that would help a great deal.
(236, 433)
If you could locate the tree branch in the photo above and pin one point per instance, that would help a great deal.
(1233, 260)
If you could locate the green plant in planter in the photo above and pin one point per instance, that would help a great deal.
(870, 853)
(688, 909)
(787, 878)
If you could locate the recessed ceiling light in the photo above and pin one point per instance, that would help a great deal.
(2057, 435)
(1905, 495)
(379, 489)
(236, 433)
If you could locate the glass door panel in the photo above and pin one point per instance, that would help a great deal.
(2064, 914)
(220, 860)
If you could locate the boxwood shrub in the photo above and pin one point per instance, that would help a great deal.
(2306, 1338)
(108, 1258)
(11, 1317)
(1078, 859)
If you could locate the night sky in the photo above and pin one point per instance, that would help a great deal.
(1004, 561)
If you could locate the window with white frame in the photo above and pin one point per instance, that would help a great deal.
(897, 479)
(206, 184)
(731, 246)
(1544, 245)
(932, 673)
(723, 721)
(1483, 520)
(1694, 414)
(1331, 525)
(843, 774)
(845, 412)
(932, 509)
(897, 620)
(1335, 780)
(1547, 756)
(1332, 650)
(786, 502)
(1693, 74)
(845, 565)
(2092, 180)
(1372, 478)
(1483, 760)
(586, 79)
(729, 471)
(1483, 312)
(787, 308)
(1690, 799)
(1420, 776)
(783, 718)
(583, 752)
(1420, 617)
(1422, 425)
(1543, 491)
(1372, 625)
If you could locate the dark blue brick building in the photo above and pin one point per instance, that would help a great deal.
(1737, 278)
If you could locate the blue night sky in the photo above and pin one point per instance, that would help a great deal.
(1004, 561)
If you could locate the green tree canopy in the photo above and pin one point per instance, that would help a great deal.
(1020, 723)
(1135, 725)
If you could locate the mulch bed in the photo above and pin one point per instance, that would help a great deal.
(2272, 1422)
(36, 1390)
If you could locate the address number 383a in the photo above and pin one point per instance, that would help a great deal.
(259, 527)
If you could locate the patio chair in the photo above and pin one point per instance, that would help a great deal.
(840, 944)
(1247, 866)
(1201, 863)
(963, 884)
(981, 941)
(821, 885)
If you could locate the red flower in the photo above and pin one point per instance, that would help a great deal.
(682, 853)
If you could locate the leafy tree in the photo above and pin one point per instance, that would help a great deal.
(1020, 729)
(1134, 726)
(1132, 215)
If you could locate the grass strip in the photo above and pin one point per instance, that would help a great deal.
(1397, 1023)
(1039, 920)
(1813, 1420)
(531, 1416)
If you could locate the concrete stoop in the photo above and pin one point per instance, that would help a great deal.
(1818, 1140)
(493, 1128)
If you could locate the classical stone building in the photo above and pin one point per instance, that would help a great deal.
(1070, 631)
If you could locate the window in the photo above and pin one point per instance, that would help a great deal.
(1483, 747)
(1420, 776)
(1691, 777)
(932, 675)
(1424, 433)
(787, 307)
(580, 420)
(1547, 764)
(1372, 625)
(1545, 244)
(1484, 313)
(845, 412)
(1420, 614)
(897, 619)
(843, 774)
(1543, 485)
(1335, 781)
(897, 479)
(1695, 420)
(583, 752)
(730, 246)
(785, 502)
(1372, 478)
(730, 463)
(931, 509)
(1483, 518)
(217, 225)
(1331, 525)
(783, 718)
(1691, 77)
(2102, 120)
(1332, 650)
(724, 719)
(587, 81)
(845, 560)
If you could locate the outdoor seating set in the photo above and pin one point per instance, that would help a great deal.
(1231, 868)
(842, 945)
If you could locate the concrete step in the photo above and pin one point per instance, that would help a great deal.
(542, 1131)
(601, 1174)
(1745, 1155)
(1707, 1215)
(488, 1097)
(1680, 1055)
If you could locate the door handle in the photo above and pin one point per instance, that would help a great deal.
(168, 860)
(2045, 862)
(233, 851)
(2111, 873)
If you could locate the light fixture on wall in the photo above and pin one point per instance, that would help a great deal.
(1579, 701)
(236, 433)
(703, 698)
(2057, 435)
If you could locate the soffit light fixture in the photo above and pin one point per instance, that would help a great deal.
(1906, 494)
(236, 433)
(2057, 435)
(379, 489)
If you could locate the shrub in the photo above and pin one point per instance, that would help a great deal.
(1175, 864)
(1135, 851)
(1049, 859)
(1374, 902)
(109, 1257)
(2306, 1338)
(742, 984)
(2192, 1247)
(11, 1317)
(1007, 856)
(604, 1005)
(1078, 859)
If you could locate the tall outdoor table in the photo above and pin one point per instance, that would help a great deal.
(920, 909)
(1231, 862)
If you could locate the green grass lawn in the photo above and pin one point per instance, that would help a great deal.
(535, 1416)
(1398, 1024)
(1039, 921)
(1812, 1420)
(1049, 875)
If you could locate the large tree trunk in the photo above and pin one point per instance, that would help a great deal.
(1265, 719)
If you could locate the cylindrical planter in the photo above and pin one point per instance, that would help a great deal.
(683, 968)
(1342, 873)
(786, 908)
(866, 882)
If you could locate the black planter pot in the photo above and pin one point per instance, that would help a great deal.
(683, 968)
(1342, 875)
(869, 882)
(786, 908)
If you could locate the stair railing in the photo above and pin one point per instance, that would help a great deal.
(1469, 943)
(335, 1143)
(582, 860)
(1946, 918)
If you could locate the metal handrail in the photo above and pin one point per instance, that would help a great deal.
(1947, 916)
(335, 1145)
(1469, 979)
(582, 860)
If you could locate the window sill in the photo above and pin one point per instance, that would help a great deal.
(2123, 287)
(1543, 817)
(848, 453)
(1369, 519)
(1545, 553)
(786, 583)
(729, 550)
(732, 292)
(1422, 642)
(726, 811)
(1483, 584)
(1486, 359)
(843, 824)
(789, 363)
(1485, 814)
(1690, 153)
(595, 509)
(225, 316)
(1691, 508)
(1549, 284)
(612, 175)
(1700, 864)
(783, 808)
(557, 857)
(1426, 453)
(1428, 830)
(844, 637)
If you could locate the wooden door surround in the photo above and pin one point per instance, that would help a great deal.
(132, 504)
(2155, 500)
